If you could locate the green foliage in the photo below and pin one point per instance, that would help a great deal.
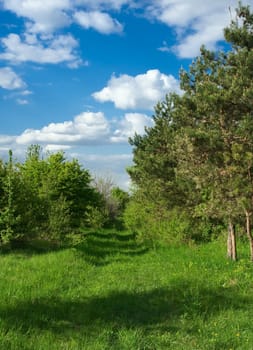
(152, 223)
(59, 225)
(68, 179)
(198, 156)
(156, 224)
(112, 202)
(8, 214)
(43, 197)
(96, 218)
(121, 199)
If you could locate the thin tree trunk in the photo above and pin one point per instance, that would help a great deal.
(249, 234)
(234, 248)
(231, 242)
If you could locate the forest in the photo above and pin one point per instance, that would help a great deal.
(92, 266)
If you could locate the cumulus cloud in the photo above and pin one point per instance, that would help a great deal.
(142, 91)
(129, 125)
(196, 22)
(208, 31)
(42, 15)
(85, 128)
(40, 42)
(50, 50)
(100, 21)
(46, 16)
(10, 80)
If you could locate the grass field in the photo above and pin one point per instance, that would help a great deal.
(110, 293)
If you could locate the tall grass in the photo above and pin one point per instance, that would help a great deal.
(111, 293)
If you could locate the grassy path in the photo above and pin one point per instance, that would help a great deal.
(110, 293)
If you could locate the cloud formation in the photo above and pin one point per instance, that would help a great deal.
(42, 15)
(43, 19)
(47, 16)
(100, 21)
(10, 80)
(85, 129)
(47, 50)
(140, 92)
(129, 125)
(196, 22)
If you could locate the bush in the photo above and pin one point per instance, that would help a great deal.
(153, 223)
(58, 219)
(96, 218)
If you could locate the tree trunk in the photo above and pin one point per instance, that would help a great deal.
(231, 242)
(249, 234)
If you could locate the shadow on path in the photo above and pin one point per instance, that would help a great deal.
(158, 309)
(102, 248)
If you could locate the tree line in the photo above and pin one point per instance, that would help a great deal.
(53, 198)
(193, 169)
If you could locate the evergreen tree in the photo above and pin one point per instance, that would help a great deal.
(218, 114)
(200, 150)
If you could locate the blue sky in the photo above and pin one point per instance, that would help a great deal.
(83, 76)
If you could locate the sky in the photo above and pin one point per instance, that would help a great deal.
(82, 76)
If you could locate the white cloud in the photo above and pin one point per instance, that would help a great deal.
(10, 80)
(42, 15)
(131, 123)
(55, 50)
(99, 21)
(56, 148)
(142, 91)
(47, 16)
(86, 128)
(196, 22)
(208, 30)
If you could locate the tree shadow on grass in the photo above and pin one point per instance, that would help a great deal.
(103, 248)
(159, 309)
(31, 247)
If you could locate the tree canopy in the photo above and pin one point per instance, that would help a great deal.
(197, 158)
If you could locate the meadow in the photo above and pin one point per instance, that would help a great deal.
(110, 292)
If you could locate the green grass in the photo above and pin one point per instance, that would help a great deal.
(111, 293)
